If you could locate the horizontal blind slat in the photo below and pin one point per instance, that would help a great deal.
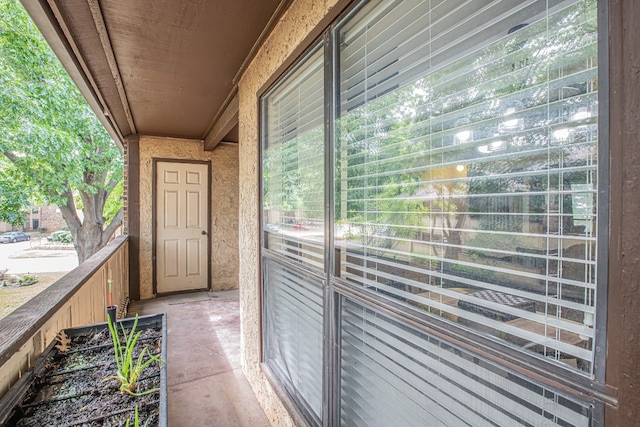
(373, 347)
(470, 158)
(294, 318)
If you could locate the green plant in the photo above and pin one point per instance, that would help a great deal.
(62, 236)
(128, 368)
(136, 421)
(27, 280)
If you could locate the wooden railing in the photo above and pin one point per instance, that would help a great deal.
(77, 299)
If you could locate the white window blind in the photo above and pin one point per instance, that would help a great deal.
(466, 166)
(293, 219)
(293, 164)
(294, 334)
(393, 375)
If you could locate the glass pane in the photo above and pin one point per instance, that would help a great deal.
(293, 337)
(393, 375)
(466, 147)
(293, 164)
(293, 181)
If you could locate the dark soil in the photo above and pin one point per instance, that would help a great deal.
(73, 390)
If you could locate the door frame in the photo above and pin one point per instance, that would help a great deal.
(154, 221)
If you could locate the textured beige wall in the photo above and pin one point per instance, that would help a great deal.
(224, 217)
(224, 206)
(300, 20)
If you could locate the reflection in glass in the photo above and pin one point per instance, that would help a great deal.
(293, 165)
(466, 166)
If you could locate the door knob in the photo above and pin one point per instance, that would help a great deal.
(204, 232)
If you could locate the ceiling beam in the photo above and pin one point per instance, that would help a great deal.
(275, 18)
(225, 118)
(101, 28)
(48, 19)
(226, 121)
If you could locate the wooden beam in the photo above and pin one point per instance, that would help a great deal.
(275, 18)
(623, 284)
(133, 213)
(105, 41)
(227, 120)
(47, 17)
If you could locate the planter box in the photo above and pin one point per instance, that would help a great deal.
(69, 388)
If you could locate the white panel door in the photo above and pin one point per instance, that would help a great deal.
(181, 226)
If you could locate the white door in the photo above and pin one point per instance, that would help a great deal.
(182, 229)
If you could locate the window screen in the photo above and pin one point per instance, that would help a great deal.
(466, 144)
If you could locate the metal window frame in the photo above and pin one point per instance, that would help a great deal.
(590, 389)
(302, 414)
(604, 190)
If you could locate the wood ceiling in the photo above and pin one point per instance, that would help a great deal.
(158, 67)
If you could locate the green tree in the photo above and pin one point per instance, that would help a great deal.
(55, 149)
(13, 197)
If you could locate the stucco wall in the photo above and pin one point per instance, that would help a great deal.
(297, 23)
(224, 206)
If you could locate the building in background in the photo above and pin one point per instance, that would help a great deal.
(40, 218)
(45, 218)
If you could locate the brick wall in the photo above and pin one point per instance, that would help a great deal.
(49, 217)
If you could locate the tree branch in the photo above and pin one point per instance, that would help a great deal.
(112, 184)
(12, 158)
(68, 211)
(113, 225)
(88, 207)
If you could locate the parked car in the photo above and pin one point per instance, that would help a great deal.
(271, 227)
(14, 236)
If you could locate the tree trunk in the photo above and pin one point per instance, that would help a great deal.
(89, 236)
(89, 240)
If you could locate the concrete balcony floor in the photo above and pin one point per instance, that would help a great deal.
(206, 385)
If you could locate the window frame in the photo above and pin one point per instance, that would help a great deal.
(300, 409)
(583, 384)
(590, 389)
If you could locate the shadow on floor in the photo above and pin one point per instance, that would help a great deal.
(205, 381)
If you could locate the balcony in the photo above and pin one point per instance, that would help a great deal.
(206, 385)
(181, 83)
